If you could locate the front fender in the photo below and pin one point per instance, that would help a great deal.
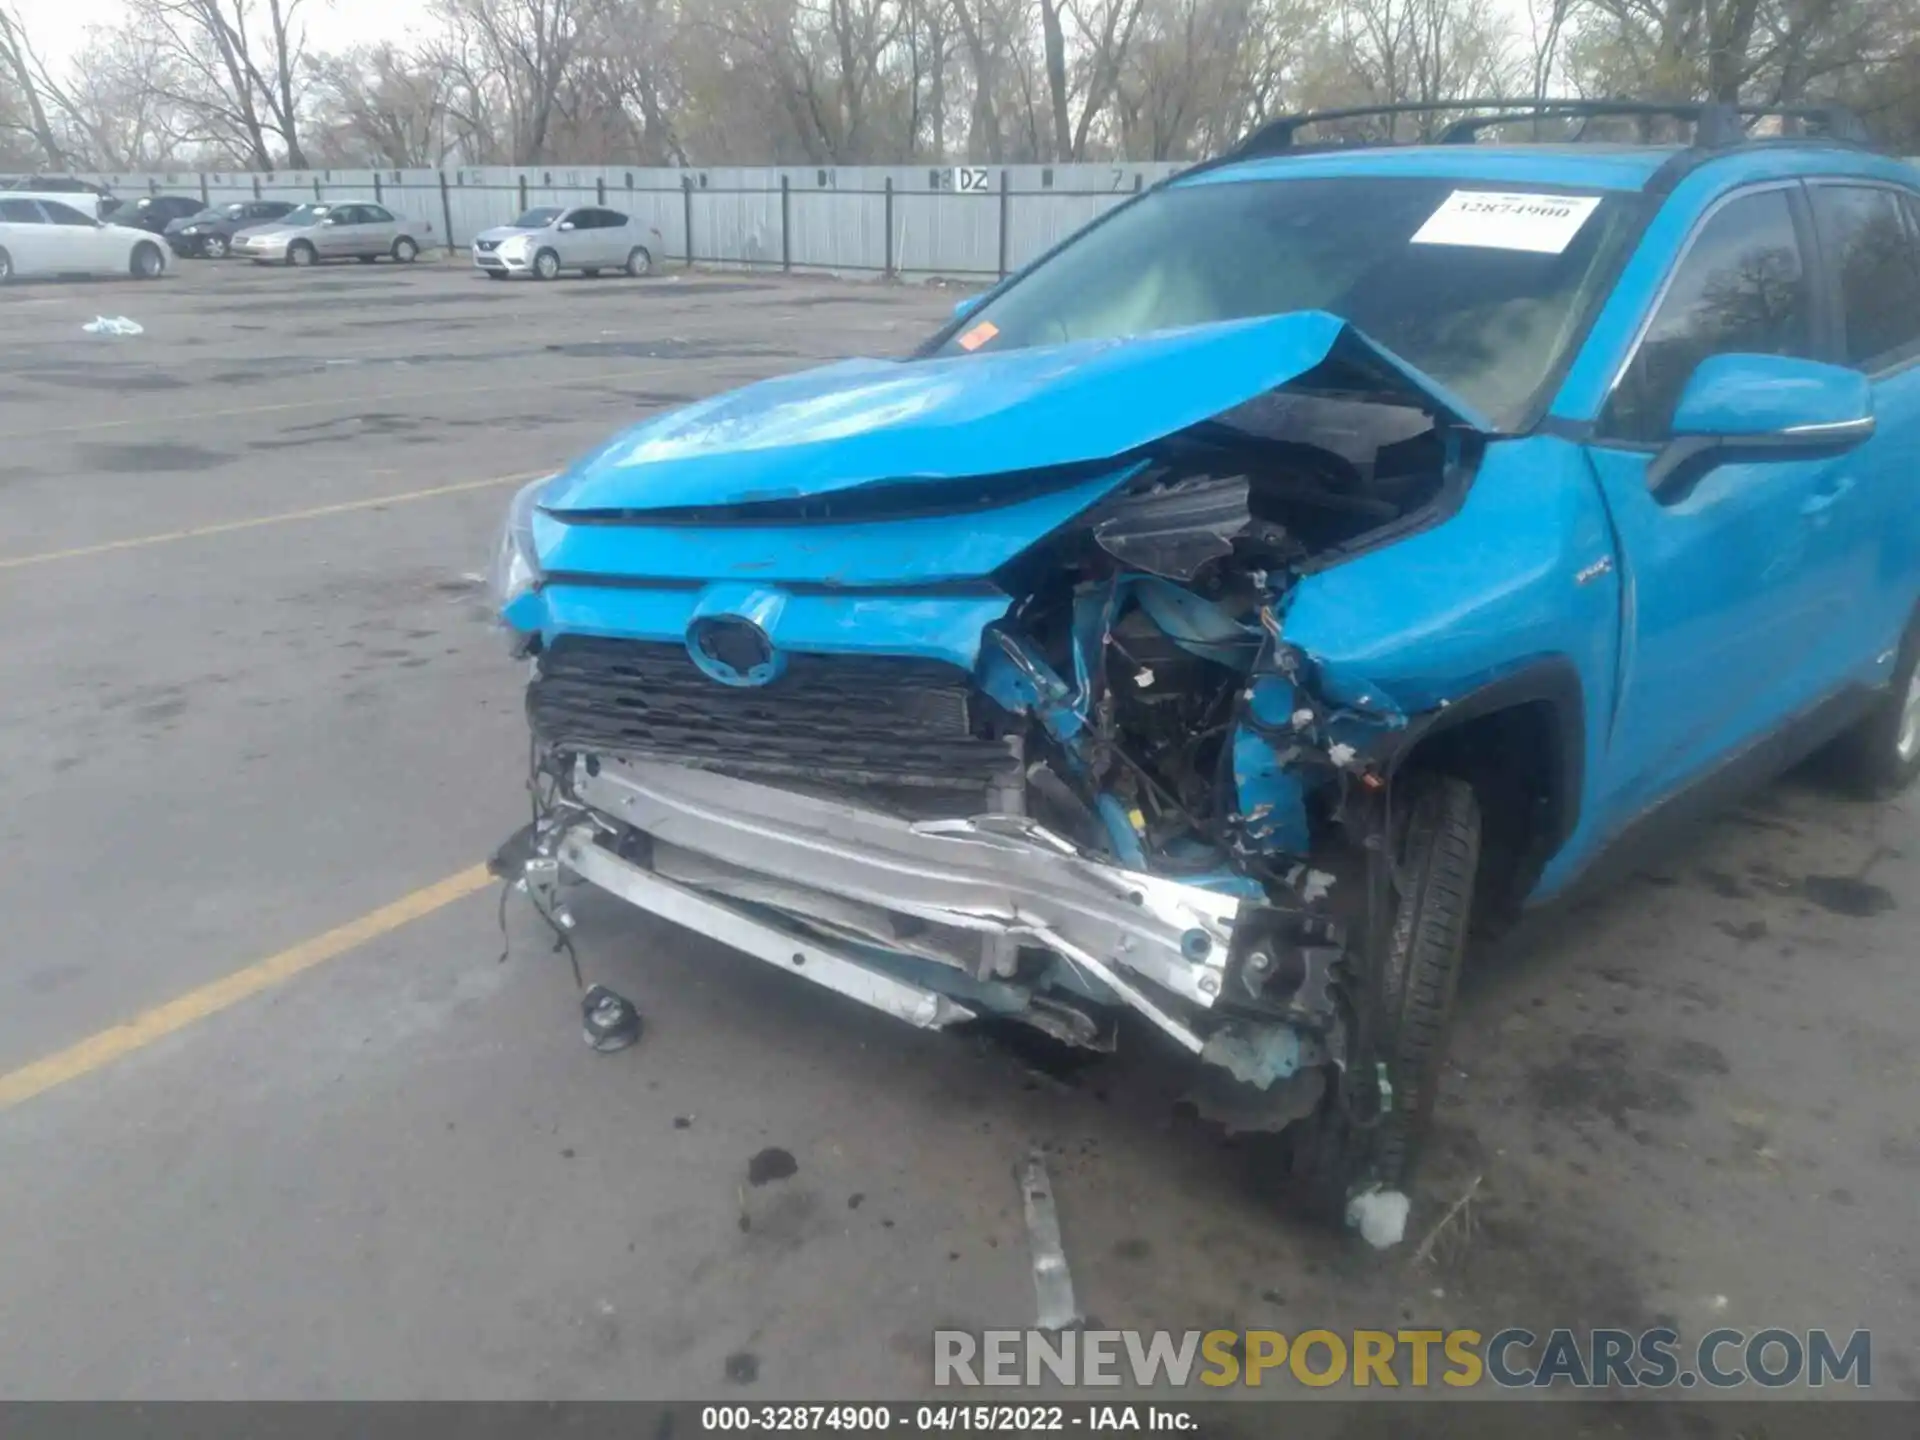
(1520, 580)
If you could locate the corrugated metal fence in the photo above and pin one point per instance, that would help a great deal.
(910, 221)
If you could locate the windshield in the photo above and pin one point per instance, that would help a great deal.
(303, 215)
(537, 219)
(1418, 264)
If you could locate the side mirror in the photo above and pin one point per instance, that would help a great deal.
(329, 219)
(1761, 407)
(566, 225)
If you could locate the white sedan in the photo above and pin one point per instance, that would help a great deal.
(41, 236)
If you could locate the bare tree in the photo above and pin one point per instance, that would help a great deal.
(22, 69)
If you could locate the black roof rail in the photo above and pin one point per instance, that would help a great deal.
(1716, 124)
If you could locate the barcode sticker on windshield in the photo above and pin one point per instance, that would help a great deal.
(1544, 224)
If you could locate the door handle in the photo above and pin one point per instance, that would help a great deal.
(1830, 496)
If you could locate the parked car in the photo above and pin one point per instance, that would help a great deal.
(155, 212)
(1316, 554)
(336, 230)
(552, 238)
(43, 236)
(65, 185)
(210, 232)
(87, 204)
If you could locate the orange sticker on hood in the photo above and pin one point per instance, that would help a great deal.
(979, 335)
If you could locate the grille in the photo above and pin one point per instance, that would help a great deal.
(872, 719)
(486, 246)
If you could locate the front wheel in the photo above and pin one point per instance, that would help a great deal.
(1437, 856)
(147, 263)
(405, 251)
(214, 247)
(639, 262)
(546, 265)
(6, 267)
(301, 253)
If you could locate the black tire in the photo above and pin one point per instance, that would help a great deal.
(1880, 756)
(301, 253)
(214, 247)
(405, 251)
(1437, 859)
(546, 265)
(494, 274)
(366, 259)
(6, 267)
(593, 274)
(639, 261)
(147, 262)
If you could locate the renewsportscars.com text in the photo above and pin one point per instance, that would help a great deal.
(1512, 1358)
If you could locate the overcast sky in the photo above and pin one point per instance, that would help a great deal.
(58, 28)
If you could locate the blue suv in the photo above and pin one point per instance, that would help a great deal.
(1329, 547)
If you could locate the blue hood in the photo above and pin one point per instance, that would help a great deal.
(991, 413)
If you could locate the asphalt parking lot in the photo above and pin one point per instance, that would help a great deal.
(245, 701)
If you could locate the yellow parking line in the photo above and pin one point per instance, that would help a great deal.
(226, 526)
(143, 1030)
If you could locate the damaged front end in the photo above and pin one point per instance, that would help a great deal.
(1027, 741)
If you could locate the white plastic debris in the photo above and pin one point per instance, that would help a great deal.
(1052, 1281)
(1380, 1216)
(113, 325)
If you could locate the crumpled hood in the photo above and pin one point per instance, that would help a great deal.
(991, 413)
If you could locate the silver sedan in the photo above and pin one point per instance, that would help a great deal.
(552, 238)
(337, 230)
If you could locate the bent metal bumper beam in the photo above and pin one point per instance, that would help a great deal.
(818, 962)
(996, 873)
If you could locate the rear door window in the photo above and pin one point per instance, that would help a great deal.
(1866, 241)
(21, 212)
(65, 215)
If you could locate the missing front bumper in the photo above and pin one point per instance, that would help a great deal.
(1156, 945)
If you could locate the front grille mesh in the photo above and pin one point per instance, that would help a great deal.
(870, 719)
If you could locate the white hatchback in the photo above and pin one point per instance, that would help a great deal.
(43, 236)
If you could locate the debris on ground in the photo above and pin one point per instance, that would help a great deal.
(1380, 1216)
(609, 1021)
(1458, 1211)
(113, 325)
(1052, 1281)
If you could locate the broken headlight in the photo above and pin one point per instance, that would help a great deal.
(516, 563)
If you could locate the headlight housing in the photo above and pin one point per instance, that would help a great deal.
(516, 564)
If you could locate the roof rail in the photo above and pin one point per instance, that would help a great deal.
(1715, 124)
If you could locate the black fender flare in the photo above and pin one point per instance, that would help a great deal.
(1552, 681)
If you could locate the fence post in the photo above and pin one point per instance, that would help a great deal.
(886, 272)
(786, 225)
(523, 194)
(205, 198)
(1006, 199)
(446, 209)
(376, 187)
(600, 190)
(316, 187)
(686, 210)
(256, 187)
